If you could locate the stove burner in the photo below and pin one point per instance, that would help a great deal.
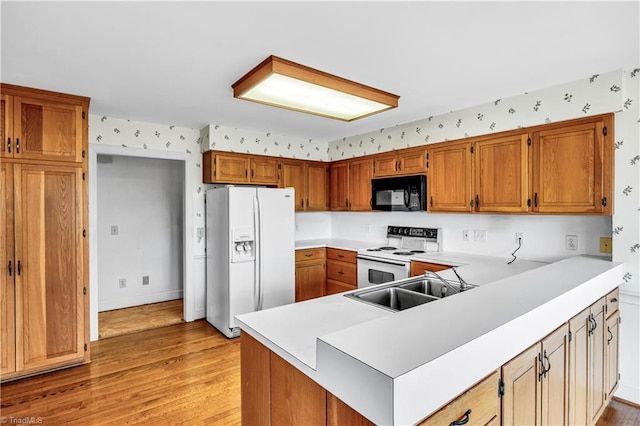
(374, 249)
(418, 251)
(403, 253)
(388, 248)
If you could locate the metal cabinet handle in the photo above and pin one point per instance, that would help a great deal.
(17, 145)
(477, 201)
(252, 173)
(464, 420)
(9, 268)
(548, 368)
(535, 200)
(610, 336)
(9, 145)
(19, 268)
(542, 370)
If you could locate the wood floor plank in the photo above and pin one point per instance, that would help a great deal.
(139, 318)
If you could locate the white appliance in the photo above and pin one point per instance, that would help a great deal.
(377, 265)
(250, 252)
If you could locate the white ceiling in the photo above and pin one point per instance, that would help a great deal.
(174, 62)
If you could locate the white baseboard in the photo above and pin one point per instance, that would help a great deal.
(628, 394)
(137, 300)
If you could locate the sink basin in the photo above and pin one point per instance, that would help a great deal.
(394, 298)
(430, 287)
(407, 293)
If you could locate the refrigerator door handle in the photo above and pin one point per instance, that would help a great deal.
(256, 263)
(259, 253)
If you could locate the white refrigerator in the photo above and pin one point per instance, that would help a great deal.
(250, 252)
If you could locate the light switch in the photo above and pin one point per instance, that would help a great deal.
(114, 229)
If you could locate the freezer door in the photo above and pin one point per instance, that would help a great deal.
(276, 247)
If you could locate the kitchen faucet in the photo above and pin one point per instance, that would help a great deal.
(443, 281)
(463, 283)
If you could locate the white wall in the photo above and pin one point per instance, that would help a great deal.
(313, 225)
(544, 235)
(143, 198)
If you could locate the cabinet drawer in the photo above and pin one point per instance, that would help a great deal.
(341, 271)
(419, 268)
(310, 254)
(343, 255)
(482, 400)
(612, 302)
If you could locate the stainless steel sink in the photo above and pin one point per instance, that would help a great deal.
(407, 293)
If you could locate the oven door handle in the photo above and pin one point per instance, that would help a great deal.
(372, 259)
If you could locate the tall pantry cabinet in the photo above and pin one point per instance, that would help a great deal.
(44, 297)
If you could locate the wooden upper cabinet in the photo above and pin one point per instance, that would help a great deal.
(449, 181)
(6, 130)
(407, 162)
(501, 181)
(293, 176)
(227, 168)
(572, 167)
(360, 174)
(264, 170)
(46, 127)
(317, 187)
(339, 199)
(49, 280)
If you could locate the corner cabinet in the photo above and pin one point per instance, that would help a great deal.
(351, 185)
(43, 291)
(310, 181)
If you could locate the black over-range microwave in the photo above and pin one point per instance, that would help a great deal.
(404, 193)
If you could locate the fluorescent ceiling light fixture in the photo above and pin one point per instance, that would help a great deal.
(285, 84)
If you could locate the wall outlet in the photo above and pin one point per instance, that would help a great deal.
(200, 232)
(480, 235)
(571, 242)
(114, 229)
(367, 228)
(465, 235)
(123, 282)
(606, 245)
(145, 280)
(520, 238)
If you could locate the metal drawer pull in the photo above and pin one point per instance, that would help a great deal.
(340, 273)
(614, 299)
(9, 268)
(341, 256)
(308, 255)
(464, 421)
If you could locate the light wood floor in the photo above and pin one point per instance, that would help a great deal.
(139, 318)
(182, 374)
(187, 373)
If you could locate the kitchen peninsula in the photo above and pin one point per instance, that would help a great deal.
(399, 368)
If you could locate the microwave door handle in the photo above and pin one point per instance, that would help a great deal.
(406, 198)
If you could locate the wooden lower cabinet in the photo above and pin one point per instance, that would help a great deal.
(535, 383)
(419, 268)
(342, 271)
(310, 273)
(611, 355)
(480, 405)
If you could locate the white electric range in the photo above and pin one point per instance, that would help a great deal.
(381, 264)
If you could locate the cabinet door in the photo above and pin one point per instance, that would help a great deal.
(385, 166)
(339, 413)
(555, 355)
(6, 129)
(317, 187)
(231, 168)
(578, 372)
(449, 183)
(501, 174)
(293, 177)
(7, 288)
(310, 280)
(46, 130)
(339, 186)
(568, 169)
(334, 287)
(412, 162)
(596, 361)
(522, 390)
(264, 170)
(50, 305)
(611, 354)
(360, 174)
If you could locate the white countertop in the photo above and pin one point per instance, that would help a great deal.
(399, 367)
(335, 243)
